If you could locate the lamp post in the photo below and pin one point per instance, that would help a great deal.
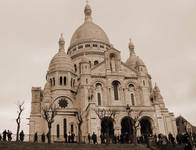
(135, 119)
(128, 109)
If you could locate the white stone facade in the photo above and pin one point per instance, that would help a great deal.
(92, 76)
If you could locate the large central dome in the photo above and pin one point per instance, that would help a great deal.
(89, 31)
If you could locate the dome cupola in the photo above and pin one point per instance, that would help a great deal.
(133, 60)
(61, 61)
(88, 31)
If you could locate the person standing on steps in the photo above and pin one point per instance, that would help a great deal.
(89, 138)
(94, 138)
(21, 136)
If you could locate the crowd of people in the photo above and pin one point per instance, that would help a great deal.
(188, 140)
(6, 136)
(69, 138)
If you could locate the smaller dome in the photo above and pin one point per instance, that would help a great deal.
(132, 60)
(61, 62)
(140, 62)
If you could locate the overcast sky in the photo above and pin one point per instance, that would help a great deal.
(163, 31)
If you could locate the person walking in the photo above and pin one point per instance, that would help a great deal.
(21, 136)
(9, 135)
(89, 138)
(43, 138)
(94, 138)
(4, 135)
(35, 137)
(69, 137)
(188, 146)
(65, 136)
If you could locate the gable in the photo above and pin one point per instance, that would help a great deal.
(99, 69)
(127, 71)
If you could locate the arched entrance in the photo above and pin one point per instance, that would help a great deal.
(107, 127)
(145, 128)
(126, 130)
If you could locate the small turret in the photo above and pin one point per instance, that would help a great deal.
(157, 97)
(135, 61)
(84, 65)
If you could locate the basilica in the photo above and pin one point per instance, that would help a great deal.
(90, 80)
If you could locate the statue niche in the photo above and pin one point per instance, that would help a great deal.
(113, 62)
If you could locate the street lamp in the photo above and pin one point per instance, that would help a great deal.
(128, 109)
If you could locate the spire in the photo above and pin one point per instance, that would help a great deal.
(88, 12)
(156, 88)
(131, 47)
(61, 43)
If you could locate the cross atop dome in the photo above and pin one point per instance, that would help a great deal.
(131, 47)
(61, 43)
(88, 12)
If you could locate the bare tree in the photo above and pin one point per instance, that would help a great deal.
(135, 121)
(106, 114)
(48, 113)
(18, 119)
(80, 121)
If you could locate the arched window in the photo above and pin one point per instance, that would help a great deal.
(144, 82)
(132, 99)
(98, 85)
(131, 87)
(72, 128)
(99, 99)
(54, 81)
(65, 80)
(86, 81)
(71, 82)
(96, 62)
(61, 80)
(50, 82)
(80, 68)
(99, 93)
(87, 45)
(75, 67)
(90, 63)
(116, 85)
(57, 131)
(65, 126)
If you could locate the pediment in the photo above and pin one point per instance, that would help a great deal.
(99, 69)
(127, 71)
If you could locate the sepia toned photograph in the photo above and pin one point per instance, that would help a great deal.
(98, 75)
